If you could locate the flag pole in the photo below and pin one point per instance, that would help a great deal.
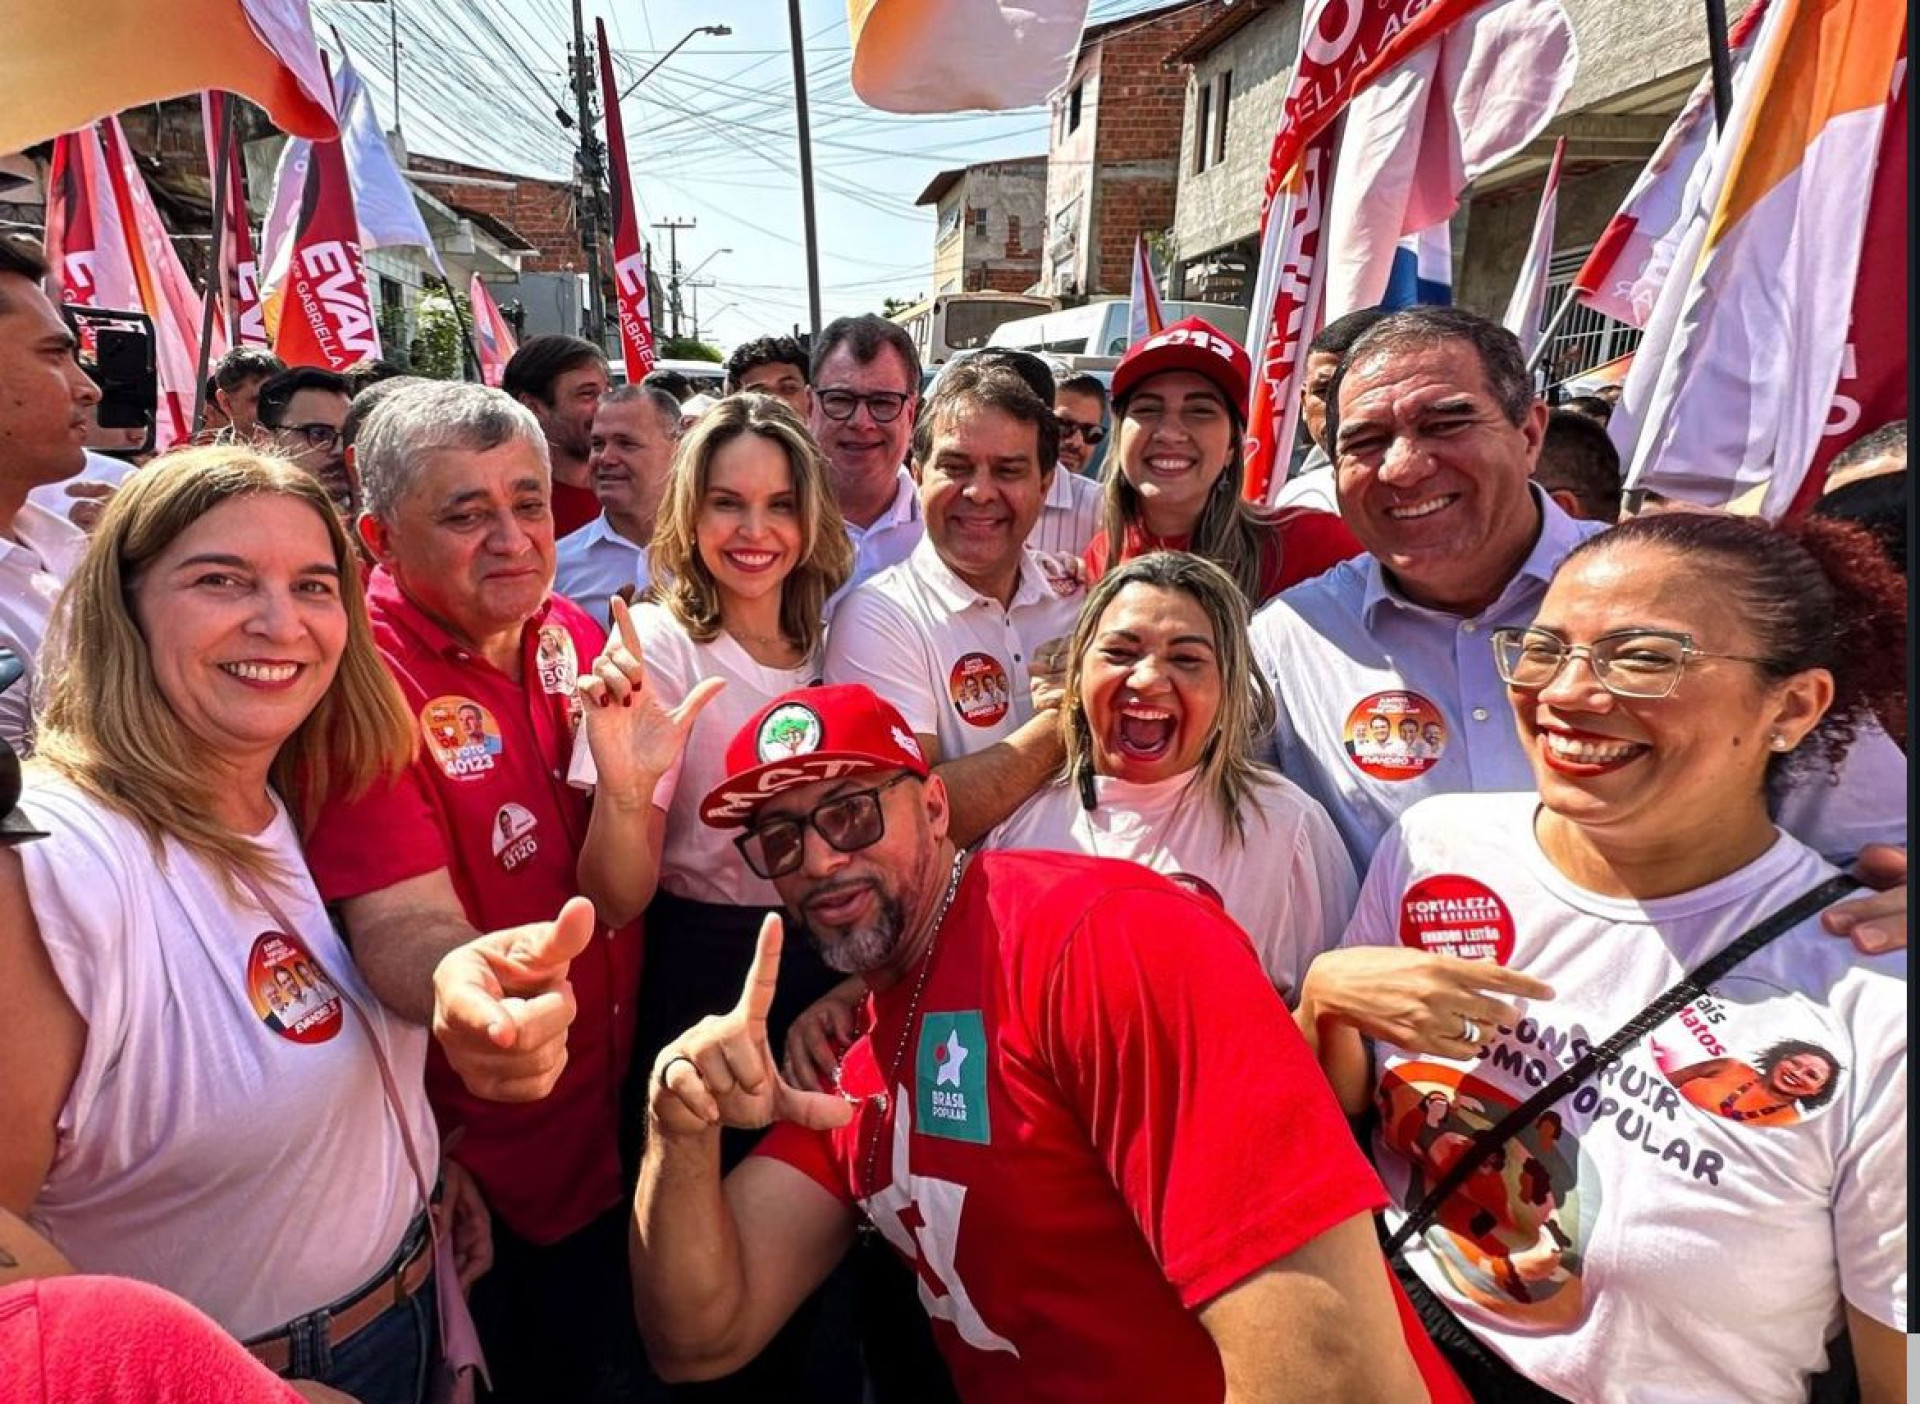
(1553, 325)
(469, 353)
(216, 250)
(1720, 61)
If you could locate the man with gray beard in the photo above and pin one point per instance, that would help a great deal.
(1095, 1201)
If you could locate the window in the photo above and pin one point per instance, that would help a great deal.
(979, 223)
(1073, 106)
(949, 222)
(1202, 128)
(1013, 232)
(1222, 100)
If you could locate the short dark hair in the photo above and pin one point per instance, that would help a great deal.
(245, 363)
(1888, 441)
(1590, 406)
(866, 336)
(543, 360)
(661, 402)
(1502, 361)
(366, 401)
(767, 351)
(279, 391)
(24, 256)
(1084, 383)
(1881, 504)
(671, 381)
(369, 370)
(993, 384)
(1029, 367)
(1336, 338)
(1576, 456)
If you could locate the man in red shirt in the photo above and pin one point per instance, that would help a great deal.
(1098, 1203)
(483, 831)
(561, 379)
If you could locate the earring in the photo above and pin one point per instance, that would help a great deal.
(1779, 742)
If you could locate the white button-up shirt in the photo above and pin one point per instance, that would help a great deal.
(891, 536)
(953, 661)
(34, 564)
(593, 564)
(1070, 516)
(1347, 647)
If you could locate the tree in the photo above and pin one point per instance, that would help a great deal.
(898, 304)
(438, 349)
(685, 348)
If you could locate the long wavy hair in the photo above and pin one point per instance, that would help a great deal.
(104, 723)
(1228, 772)
(682, 581)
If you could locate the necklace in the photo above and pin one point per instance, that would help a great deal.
(906, 1029)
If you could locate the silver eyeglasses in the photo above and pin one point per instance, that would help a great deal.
(1642, 663)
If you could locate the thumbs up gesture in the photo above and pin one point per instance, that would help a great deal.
(722, 1072)
(502, 1005)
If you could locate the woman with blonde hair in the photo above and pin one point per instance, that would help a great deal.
(210, 660)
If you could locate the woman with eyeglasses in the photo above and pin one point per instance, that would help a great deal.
(1181, 465)
(747, 547)
(1697, 1220)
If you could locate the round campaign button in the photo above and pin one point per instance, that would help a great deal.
(1458, 916)
(463, 736)
(978, 686)
(288, 991)
(1394, 735)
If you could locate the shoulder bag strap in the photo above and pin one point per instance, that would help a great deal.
(1684, 992)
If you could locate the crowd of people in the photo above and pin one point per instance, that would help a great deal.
(583, 894)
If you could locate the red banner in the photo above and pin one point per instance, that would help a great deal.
(493, 339)
(327, 318)
(1344, 45)
(239, 281)
(629, 259)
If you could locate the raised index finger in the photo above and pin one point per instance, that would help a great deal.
(756, 998)
(623, 627)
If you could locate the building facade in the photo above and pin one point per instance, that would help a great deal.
(1112, 172)
(988, 223)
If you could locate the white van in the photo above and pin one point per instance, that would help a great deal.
(1100, 328)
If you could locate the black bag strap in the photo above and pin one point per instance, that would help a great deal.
(1683, 992)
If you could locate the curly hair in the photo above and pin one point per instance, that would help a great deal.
(1787, 1048)
(1817, 592)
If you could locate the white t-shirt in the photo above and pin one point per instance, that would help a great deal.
(593, 564)
(35, 563)
(227, 1136)
(953, 661)
(698, 862)
(98, 468)
(1069, 517)
(1687, 1232)
(1288, 884)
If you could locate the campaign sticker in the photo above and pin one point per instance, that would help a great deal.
(978, 686)
(462, 735)
(1395, 735)
(789, 730)
(289, 992)
(513, 839)
(1748, 1056)
(555, 661)
(1458, 916)
(950, 1078)
(1199, 887)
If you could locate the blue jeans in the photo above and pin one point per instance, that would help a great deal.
(385, 1362)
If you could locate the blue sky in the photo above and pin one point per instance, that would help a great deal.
(710, 135)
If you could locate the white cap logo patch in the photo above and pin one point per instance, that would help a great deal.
(788, 731)
(907, 743)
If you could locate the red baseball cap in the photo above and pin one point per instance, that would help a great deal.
(1192, 345)
(806, 736)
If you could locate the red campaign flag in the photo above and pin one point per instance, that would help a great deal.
(1344, 45)
(629, 260)
(239, 281)
(1872, 389)
(86, 252)
(495, 343)
(326, 318)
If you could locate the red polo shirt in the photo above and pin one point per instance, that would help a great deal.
(487, 798)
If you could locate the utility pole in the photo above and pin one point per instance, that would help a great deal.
(673, 228)
(693, 285)
(589, 202)
(806, 164)
(393, 42)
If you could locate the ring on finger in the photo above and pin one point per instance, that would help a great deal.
(667, 1067)
(1469, 1030)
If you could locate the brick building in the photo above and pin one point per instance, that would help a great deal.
(1113, 163)
(989, 221)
